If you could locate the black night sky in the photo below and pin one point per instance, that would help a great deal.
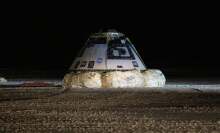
(183, 39)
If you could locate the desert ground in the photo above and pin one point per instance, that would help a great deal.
(53, 109)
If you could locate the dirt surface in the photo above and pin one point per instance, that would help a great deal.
(108, 111)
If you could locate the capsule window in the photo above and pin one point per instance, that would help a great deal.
(91, 64)
(83, 64)
(135, 64)
(118, 49)
(119, 66)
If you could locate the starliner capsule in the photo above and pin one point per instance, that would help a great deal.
(110, 60)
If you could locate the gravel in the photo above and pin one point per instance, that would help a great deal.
(109, 111)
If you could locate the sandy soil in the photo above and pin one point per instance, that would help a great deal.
(108, 111)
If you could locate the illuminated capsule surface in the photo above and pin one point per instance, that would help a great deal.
(110, 60)
(108, 51)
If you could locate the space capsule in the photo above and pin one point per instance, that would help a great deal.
(110, 60)
(109, 50)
